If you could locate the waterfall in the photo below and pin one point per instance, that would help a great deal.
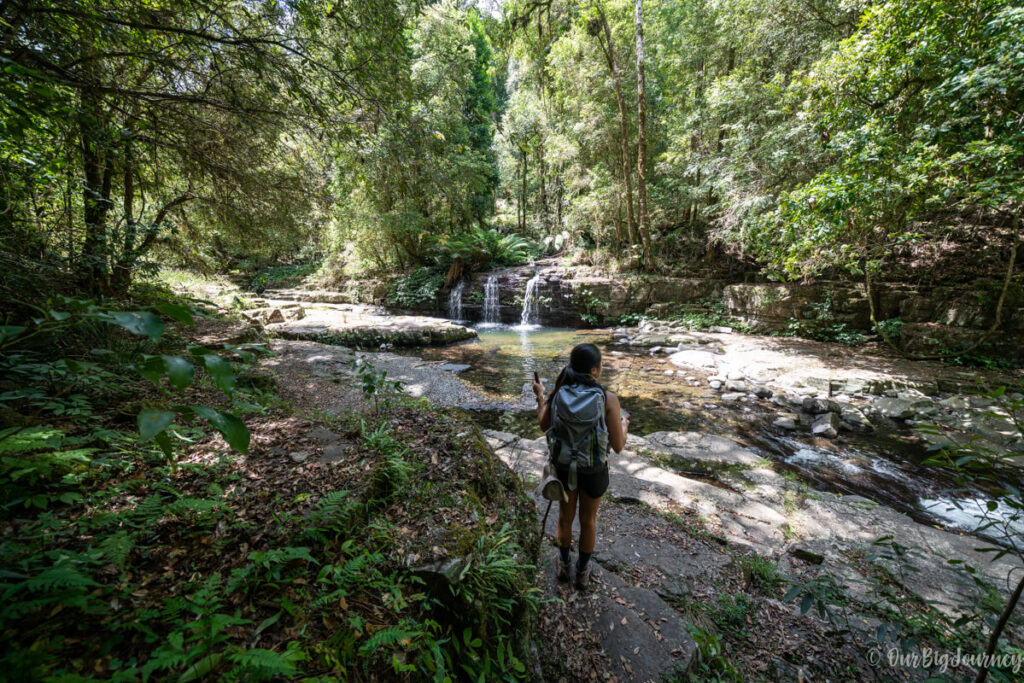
(455, 301)
(492, 314)
(530, 308)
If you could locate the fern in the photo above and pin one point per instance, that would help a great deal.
(57, 577)
(260, 665)
(387, 637)
(26, 440)
(114, 549)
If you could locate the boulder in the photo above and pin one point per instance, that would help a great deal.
(816, 406)
(826, 426)
(854, 417)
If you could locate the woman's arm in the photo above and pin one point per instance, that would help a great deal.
(617, 427)
(543, 413)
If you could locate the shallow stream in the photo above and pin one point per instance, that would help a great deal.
(882, 466)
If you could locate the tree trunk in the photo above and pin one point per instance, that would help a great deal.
(523, 190)
(997, 631)
(609, 55)
(542, 170)
(641, 154)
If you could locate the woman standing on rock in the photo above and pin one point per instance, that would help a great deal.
(582, 420)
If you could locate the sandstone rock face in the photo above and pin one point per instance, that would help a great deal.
(934, 319)
(360, 328)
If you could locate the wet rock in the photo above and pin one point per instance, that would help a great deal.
(898, 408)
(732, 396)
(955, 402)
(762, 392)
(785, 421)
(455, 367)
(735, 385)
(826, 426)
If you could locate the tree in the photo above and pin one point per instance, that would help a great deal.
(166, 107)
(599, 28)
(641, 153)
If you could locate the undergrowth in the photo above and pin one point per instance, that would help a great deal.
(136, 546)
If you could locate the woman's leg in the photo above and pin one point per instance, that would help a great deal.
(566, 515)
(588, 522)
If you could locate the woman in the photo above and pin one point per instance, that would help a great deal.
(584, 369)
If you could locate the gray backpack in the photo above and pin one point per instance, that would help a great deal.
(578, 436)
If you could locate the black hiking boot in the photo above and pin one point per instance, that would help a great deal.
(563, 571)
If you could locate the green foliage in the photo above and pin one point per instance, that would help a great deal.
(761, 572)
(46, 381)
(480, 248)
(710, 662)
(820, 323)
(915, 109)
(419, 286)
(381, 392)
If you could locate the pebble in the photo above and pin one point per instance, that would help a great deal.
(669, 373)
(715, 384)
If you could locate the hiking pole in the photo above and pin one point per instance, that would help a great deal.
(544, 524)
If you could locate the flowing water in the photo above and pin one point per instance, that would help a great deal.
(492, 311)
(531, 307)
(883, 466)
(455, 300)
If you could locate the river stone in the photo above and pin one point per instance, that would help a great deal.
(762, 392)
(715, 384)
(826, 426)
(853, 416)
(735, 385)
(785, 421)
(816, 406)
(955, 402)
(898, 408)
(732, 396)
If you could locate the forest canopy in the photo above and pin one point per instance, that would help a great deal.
(795, 138)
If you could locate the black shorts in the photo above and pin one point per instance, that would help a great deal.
(594, 484)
